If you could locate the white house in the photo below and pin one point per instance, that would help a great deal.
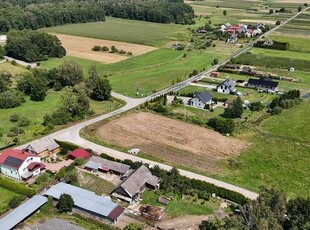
(228, 86)
(19, 164)
(200, 100)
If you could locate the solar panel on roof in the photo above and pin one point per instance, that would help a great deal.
(12, 161)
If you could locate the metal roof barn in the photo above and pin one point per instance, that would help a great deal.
(84, 199)
(22, 212)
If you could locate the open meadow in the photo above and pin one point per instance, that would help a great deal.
(278, 156)
(82, 47)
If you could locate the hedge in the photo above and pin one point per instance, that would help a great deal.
(276, 45)
(67, 145)
(16, 187)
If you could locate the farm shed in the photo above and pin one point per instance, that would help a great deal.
(79, 153)
(104, 165)
(131, 188)
(88, 201)
(22, 212)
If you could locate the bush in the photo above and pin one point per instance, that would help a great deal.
(79, 161)
(42, 178)
(104, 48)
(23, 121)
(256, 106)
(276, 110)
(11, 99)
(129, 53)
(16, 187)
(223, 126)
(97, 48)
(15, 201)
(14, 118)
(17, 130)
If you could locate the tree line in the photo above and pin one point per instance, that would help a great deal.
(35, 14)
(271, 210)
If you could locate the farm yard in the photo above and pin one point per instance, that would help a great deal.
(170, 140)
(82, 47)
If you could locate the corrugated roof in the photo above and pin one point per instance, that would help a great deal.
(98, 162)
(22, 212)
(83, 198)
(43, 144)
(137, 179)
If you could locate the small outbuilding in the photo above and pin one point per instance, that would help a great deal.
(79, 153)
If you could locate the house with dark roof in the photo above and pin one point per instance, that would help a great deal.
(88, 201)
(20, 164)
(103, 165)
(79, 153)
(131, 188)
(266, 84)
(201, 100)
(228, 86)
(44, 147)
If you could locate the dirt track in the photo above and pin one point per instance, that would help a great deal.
(171, 140)
(81, 47)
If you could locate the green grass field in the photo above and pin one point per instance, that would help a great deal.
(132, 31)
(180, 207)
(281, 53)
(278, 156)
(35, 111)
(7, 66)
(94, 183)
(296, 43)
(6, 196)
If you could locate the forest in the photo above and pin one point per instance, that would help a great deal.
(35, 14)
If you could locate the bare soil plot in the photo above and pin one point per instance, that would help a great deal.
(82, 47)
(173, 141)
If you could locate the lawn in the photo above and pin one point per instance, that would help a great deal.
(94, 183)
(297, 43)
(6, 196)
(278, 156)
(181, 207)
(132, 31)
(35, 111)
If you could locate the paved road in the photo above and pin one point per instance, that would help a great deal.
(26, 64)
(72, 133)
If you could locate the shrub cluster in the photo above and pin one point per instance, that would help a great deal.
(285, 101)
(220, 125)
(276, 45)
(113, 49)
(16, 187)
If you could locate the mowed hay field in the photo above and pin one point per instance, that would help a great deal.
(82, 47)
(173, 141)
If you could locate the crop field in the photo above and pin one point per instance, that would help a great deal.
(123, 30)
(82, 47)
(173, 141)
(278, 156)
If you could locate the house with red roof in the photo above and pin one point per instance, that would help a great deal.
(20, 164)
(79, 153)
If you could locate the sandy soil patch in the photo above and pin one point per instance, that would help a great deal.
(81, 47)
(257, 20)
(183, 223)
(172, 140)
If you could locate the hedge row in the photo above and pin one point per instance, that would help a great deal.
(16, 187)
(276, 45)
(67, 145)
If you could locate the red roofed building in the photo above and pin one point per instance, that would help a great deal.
(20, 164)
(79, 153)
